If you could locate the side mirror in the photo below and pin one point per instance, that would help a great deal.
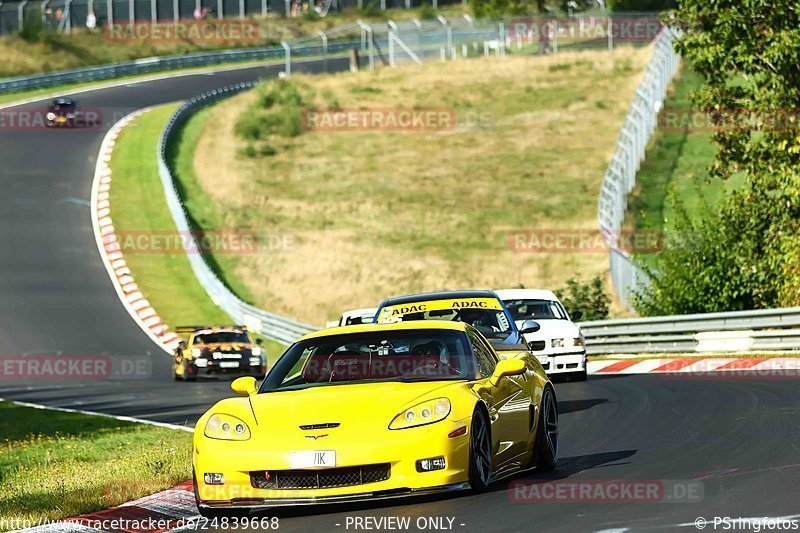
(259, 341)
(506, 367)
(245, 385)
(529, 326)
(577, 315)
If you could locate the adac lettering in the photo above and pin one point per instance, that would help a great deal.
(404, 310)
(463, 304)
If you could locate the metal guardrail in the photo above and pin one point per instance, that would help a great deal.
(620, 177)
(270, 325)
(762, 330)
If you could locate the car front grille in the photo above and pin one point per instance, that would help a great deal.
(320, 479)
(537, 346)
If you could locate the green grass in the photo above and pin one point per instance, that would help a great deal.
(676, 161)
(138, 205)
(57, 465)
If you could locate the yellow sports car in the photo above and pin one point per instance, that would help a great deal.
(216, 351)
(375, 411)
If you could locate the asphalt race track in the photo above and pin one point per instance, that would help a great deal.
(734, 440)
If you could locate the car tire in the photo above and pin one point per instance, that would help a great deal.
(480, 452)
(545, 445)
(580, 375)
(187, 376)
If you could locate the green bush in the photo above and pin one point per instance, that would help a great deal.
(426, 11)
(589, 298)
(267, 150)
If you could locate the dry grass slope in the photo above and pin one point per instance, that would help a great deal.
(378, 213)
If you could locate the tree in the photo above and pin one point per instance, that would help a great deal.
(745, 253)
(588, 298)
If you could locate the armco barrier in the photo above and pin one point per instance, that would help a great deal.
(270, 325)
(738, 331)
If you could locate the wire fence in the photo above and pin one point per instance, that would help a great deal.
(620, 177)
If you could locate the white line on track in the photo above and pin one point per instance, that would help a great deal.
(104, 415)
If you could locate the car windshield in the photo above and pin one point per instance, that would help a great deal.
(380, 356)
(535, 309)
(222, 336)
(484, 314)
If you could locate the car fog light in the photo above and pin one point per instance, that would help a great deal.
(429, 465)
(214, 479)
(255, 361)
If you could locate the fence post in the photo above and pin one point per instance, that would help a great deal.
(42, 7)
(555, 36)
(241, 9)
(176, 10)
(110, 6)
(448, 32)
(288, 8)
(288, 50)
(324, 37)
(263, 8)
(366, 32)
(610, 31)
(153, 11)
(220, 11)
(131, 13)
(21, 14)
(383, 5)
(68, 16)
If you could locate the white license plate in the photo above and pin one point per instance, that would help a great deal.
(229, 364)
(543, 359)
(312, 459)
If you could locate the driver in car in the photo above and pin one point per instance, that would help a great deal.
(477, 319)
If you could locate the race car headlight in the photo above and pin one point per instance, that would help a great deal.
(196, 352)
(255, 361)
(577, 341)
(556, 343)
(256, 351)
(51, 116)
(226, 427)
(422, 414)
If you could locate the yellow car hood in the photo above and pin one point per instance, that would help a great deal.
(349, 405)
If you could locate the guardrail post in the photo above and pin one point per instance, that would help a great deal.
(324, 37)
(288, 50)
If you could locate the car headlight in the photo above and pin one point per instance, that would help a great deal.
(256, 351)
(226, 427)
(557, 343)
(422, 414)
(577, 341)
(196, 352)
(51, 116)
